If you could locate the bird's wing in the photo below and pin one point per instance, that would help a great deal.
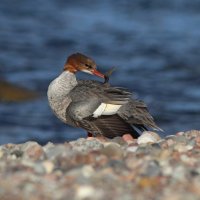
(94, 107)
(91, 98)
(135, 112)
(108, 126)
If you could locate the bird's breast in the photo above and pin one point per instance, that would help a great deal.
(58, 94)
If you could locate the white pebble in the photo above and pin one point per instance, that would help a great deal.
(88, 171)
(183, 148)
(49, 166)
(107, 144)
(148, 137)
(85, 192)
(132, 149)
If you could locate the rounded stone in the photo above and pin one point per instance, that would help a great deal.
(18, 153)
(148, 137)
(181, 139)
(152, 168)
(48, 166)
(112, 149)
(182, 148)
(170, 140)
(33, 150)
(119, 140)
(54, 151)
(132, 148)
(197, 140)
(84, 145)
(85, 192)
(1, 153)
(192, 133)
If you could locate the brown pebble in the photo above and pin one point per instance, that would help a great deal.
(128, 138)
(33, 151)
(197, 139)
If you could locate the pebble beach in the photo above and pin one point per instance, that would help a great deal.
(149, 167)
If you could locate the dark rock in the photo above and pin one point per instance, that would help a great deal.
(17, 153)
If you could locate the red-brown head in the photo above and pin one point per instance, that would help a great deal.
(79, 62)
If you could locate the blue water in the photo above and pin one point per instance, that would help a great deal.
(155, 46)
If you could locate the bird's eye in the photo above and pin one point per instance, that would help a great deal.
(88, 66)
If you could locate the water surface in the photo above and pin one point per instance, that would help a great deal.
(154, 45)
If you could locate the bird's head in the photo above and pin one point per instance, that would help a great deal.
(79, 62)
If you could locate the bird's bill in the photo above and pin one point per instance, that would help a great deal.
(97, 73)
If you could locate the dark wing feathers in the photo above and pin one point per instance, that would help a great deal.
(108, 126)
(135, 112)
(132, 114)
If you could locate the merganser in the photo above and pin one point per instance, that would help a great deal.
(100, 109)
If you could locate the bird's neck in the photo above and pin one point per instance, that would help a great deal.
(62, 85)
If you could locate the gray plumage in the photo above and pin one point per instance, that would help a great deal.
(74, 102)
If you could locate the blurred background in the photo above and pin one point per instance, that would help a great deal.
(155, 46)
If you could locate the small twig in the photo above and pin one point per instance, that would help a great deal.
(108, 74)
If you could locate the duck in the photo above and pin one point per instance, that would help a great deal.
(99, 108)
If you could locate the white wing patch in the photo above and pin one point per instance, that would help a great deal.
(98, 112)
(106, 109)
(111, 109)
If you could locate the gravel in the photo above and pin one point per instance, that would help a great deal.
(147, 168)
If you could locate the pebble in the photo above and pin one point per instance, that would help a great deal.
(48, 166)
(1, 153)
(39, 168)
(85, 192)
(188, 160)
(180, 133)
(110, 169)
(53, 151)
(163, 143)
(112, 150)
(32, 150)
(132, 148)
(167, 170)
(170, 140)
(151, 168)
(179, 173)
(17, 153)
(88, 171)
(192, 133)
(148, 137)
(133, 163)
(48, 146)
(191, 142)
(120, 141)
(181, 139)
(197, 140)
(182, 148)
(84, 145)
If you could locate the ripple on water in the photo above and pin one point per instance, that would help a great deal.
(154, 46)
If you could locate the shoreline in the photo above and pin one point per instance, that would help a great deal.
(167, 168)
